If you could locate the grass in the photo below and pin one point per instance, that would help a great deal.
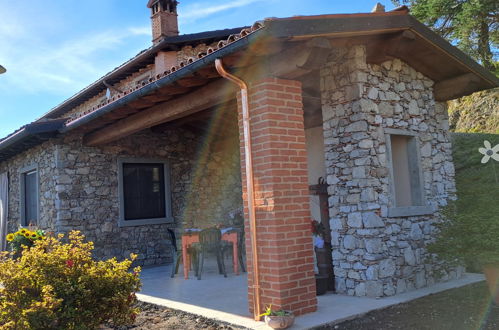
(470, 173)
(476, 183)
(473, 234)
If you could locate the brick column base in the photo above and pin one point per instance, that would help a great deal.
(284, 239)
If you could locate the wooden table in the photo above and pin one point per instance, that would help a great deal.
(190, 237)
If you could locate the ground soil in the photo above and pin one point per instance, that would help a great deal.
(464, 308)
(156, 318)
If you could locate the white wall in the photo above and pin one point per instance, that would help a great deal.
(316, 164)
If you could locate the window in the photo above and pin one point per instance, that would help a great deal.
(29, 195)
(407, 188)
(144, 192)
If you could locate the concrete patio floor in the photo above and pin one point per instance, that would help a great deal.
(225, 299)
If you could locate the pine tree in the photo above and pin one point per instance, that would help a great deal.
(472, 25)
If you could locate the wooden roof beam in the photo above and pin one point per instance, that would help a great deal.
(453, 88)
(383, 50)
(206, 114)
(301, 60)
(205, 97)
(292, 63)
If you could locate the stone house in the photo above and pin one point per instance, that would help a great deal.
(163, 142)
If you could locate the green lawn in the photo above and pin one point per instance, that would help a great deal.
(478, 197)
(470, 173)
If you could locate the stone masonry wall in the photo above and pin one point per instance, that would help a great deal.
(79, 188)
(375, 255)
(43, 156)
(87, 191)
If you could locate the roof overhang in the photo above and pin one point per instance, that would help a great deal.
(386, 36)
(29, 136)
(431, 54)
(427, 52)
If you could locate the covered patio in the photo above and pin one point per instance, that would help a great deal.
(225, 299)
(221, 162)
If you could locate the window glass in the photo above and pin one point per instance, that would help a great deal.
(30, 198)
(143, 191)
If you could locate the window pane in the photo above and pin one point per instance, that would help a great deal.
(144, 191)
(30, 198)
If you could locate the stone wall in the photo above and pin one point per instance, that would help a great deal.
(43, 156)
(87, 190)
(79, 188)
(373, 254)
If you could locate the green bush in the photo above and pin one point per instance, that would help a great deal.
(57, 285)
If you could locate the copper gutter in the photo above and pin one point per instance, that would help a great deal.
(249, 182)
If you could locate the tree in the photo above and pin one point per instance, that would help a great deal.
(472, 25)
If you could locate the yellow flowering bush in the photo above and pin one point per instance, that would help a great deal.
(58, 285)
(24, 237)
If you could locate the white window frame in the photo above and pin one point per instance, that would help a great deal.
(22, 192)
(168, 208)
(414, 210)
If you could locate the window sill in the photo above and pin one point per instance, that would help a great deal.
(143, 222)
(409, 211)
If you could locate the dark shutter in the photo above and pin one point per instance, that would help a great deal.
(144, 191)
(30, 198)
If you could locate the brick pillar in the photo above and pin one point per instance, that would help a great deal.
(284, 239)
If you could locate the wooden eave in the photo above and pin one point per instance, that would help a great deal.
(426, 51)
(29, 136)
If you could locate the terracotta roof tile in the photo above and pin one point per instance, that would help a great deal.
(221, 44)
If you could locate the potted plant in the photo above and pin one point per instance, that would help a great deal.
(278, 319)
(469, 234)
(24, 237)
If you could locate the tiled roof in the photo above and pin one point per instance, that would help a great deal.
(141, 60)
(221, 44)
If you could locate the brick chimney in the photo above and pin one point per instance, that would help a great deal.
(163, 19)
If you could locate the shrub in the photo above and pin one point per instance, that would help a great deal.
(57, 285)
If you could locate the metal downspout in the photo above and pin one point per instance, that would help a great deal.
(249, 182)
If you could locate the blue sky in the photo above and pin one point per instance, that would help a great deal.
(52, 49)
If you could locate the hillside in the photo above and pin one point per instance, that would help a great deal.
(478, 112)
(477, 188)
(476, 185)
(471, 175)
